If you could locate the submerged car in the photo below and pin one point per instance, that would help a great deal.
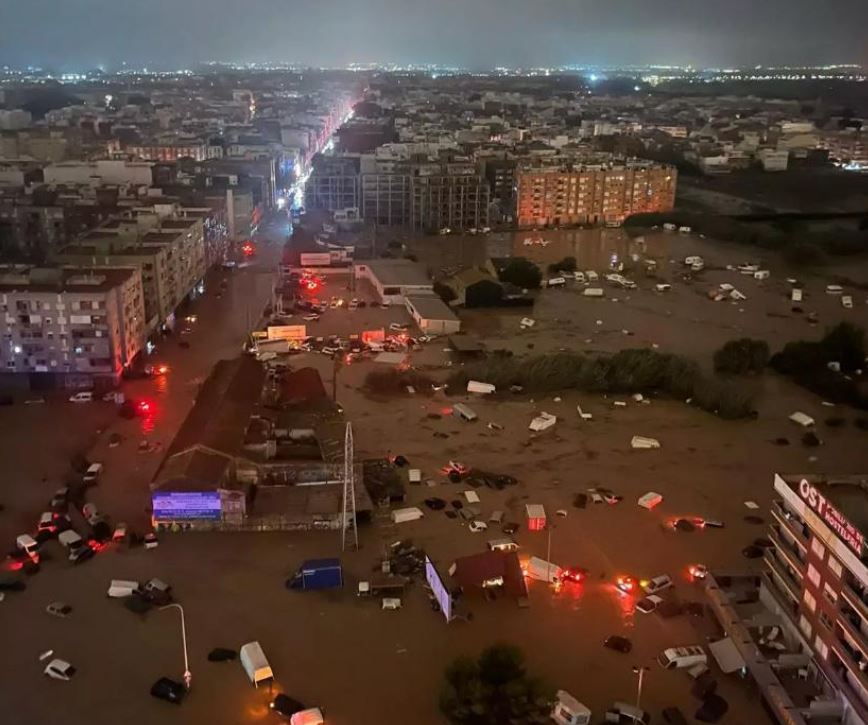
(618, 643)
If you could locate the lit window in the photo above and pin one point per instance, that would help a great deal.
(821, 647)
(835, 566)
(830, 594)
(813, 575)
(805, 626)
(818, 548)
(810, 601)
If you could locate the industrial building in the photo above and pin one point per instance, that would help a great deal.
(431, 314)
(394, 279)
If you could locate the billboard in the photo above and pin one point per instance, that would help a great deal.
(316, 259)
(287, 332)
(438, 588)
(834, 519)
(178, 506)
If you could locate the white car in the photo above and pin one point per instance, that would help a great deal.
(310, 318)
(657, 584)
(59, 670)
(397, 327)
(646, 605)
(477, 526)
(85, 397)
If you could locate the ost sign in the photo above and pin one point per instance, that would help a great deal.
(833, 518)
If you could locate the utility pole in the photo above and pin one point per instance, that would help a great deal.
(336, 368)
(549, 550)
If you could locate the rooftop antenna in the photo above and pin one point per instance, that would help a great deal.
(348, 512)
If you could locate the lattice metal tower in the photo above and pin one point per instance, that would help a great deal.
(348, 513)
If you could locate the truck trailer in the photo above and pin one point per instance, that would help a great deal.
(317, 574)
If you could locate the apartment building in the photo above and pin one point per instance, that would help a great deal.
(450, 195)
(847, 147)
(97, 173)
(70, 327)
(333, 184)
(170, 254)
(556, 192)
(816, 580)
(169, 150)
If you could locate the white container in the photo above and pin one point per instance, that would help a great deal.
(255, 664)
(650, 500)
(120, 588)
(474, 386)
(401, 516)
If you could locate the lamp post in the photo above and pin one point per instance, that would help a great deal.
(188, 677)
(640, 671)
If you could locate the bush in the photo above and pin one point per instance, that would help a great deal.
(444, 292)
(567, 264)
(807, 363)
(522, 273)
(739, 357)
(628, 371)
(393, 381)
(494, 689)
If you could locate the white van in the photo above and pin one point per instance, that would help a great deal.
(677, 658)
(85, 397)
(593, 292)
(568, 710)
(556, 282)
(121, 588)
(591, 275)
(579, 277)
(27, 544)
(543, 570)
(255, 664)
(502, 545)
(92, 474)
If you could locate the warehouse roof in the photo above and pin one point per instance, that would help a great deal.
(398, 272)
(430, 307)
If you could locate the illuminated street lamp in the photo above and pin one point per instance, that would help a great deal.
(640, 671)
(188, 677)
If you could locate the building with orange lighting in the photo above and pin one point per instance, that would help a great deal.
(816, 580)
(557, 191)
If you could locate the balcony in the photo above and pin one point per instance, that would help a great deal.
(852, 597)
(853, 631)
(781, 579)
(848, 662)
(792, 554)
(791, 523)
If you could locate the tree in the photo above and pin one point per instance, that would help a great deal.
(739, 357)
(522, 273)
(494, 689)
(567, 264)
(444, 292)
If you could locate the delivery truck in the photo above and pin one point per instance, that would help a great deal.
(255, 664)
(317, 574)
(543, 570)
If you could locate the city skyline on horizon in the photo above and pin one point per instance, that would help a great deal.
(489, 34)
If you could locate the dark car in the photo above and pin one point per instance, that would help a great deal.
(712, 710)
(286, 706)
(509, 528)
(168, 690)
(618, 643)
(9, 583)
(435, 504)
(82, 553)
(673, 716)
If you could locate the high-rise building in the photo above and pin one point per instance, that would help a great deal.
(816, 579)
(70, 323)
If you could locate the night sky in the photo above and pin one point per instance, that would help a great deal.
(80, 34)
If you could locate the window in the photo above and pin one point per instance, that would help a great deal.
(805, 626)
(821, 647)
(825, 620)
(818, 548)
(835, 566)
(813, 575)
(830, 594)
(810, 601)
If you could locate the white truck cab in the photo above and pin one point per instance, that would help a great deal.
(676, 658)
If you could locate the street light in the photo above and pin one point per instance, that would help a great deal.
(188, 677)
(640, 671)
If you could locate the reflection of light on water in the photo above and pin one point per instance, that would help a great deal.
(626, 604)
(259, 707)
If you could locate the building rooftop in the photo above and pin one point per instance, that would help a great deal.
(431, 307)
(61, 279)
(398, 272)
